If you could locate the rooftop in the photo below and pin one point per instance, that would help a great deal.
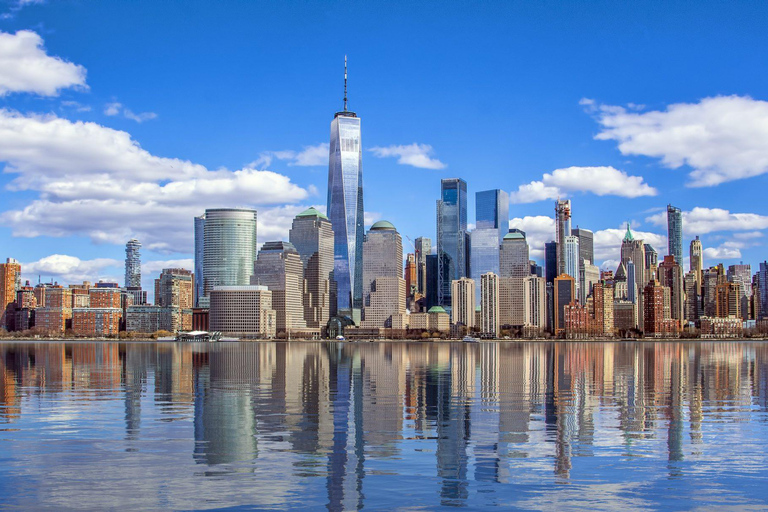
(312, 212)
(383, 225)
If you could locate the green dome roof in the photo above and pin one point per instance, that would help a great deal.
(628, 236)
(383, 224)
(436, 309)
(312, 212)
(514, 236)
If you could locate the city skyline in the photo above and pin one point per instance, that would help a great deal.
(68, 214)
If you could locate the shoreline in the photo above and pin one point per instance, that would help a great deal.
(420, 341)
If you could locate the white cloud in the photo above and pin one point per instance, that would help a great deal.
(115, 108)
(748, 236)
(369, 218)
(723, 252)
(721, 138)
(98, 182)
(25, 67)
(154, 267)
(601, 181)
(79, 107)
(416, 155)
(309, 156)
(701, 220)
(68, 269)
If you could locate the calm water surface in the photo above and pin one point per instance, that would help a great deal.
(615, 426)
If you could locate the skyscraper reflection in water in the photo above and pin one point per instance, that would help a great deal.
(382, 425)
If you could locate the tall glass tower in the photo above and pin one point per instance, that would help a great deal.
(345, 209)
(133, 263)
(675, 233)
(452, 237)
(492, 224)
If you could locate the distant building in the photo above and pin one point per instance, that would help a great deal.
(514, 261)
(491, 224)
(199, 258)
(692, 300)
(10, 282)
(670, 274)
(589, 274)
(96, 321)
(728, 300)
(133, 263)
(383, 284)
(657, 324)
(571, 255)
(634, 251)
(697, 262)
(562, 230)
(742, 274)
(534, 300)
(423, 249)
(586, 243)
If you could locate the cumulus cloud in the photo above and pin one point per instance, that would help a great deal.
(721, 138)
(701, 220)
(369, 218)
(723, 252)
(601, 181)
(76, 105)
(98, 182)
(416, 155)
(309, 156)
(116, 108)
(68, 269)
(26, 67)
(154, 267)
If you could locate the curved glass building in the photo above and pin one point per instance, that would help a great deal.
(229, 248)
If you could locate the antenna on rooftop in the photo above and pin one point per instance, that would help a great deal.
(345, 83)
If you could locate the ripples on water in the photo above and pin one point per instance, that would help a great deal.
(615, 426)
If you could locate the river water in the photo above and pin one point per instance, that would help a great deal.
(383, 426)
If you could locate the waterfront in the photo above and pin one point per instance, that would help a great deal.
(536, 425)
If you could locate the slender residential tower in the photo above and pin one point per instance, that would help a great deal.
(133, 263)
(345, 209)
(675, 233)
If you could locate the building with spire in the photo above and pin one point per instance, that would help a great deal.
(345, 209)
(634, 251)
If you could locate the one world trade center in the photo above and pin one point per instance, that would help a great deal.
(345, 209)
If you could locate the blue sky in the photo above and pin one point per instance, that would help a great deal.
(124, 119)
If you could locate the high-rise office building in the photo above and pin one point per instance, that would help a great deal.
(675, 233)
(345, 209)
(562, 230)
(312, 236)
(489, 304)
(174, 288)
(463, 294)
(431, 279)
(492, 211)
(133, 264)
(229, 248)
(278, 267)
(383, 283)
(634, 251)
(728, 300)
(550, 261)
(10, 282)
(742, 274)
(586, 243)
(762, 282)
(589, 274)
(651, 262)
(565, 293)
(692, 300)
(242, 310)
(452, 237)
(423, 249)
(671, 275)
(534, 300)
(697, 261)
(571, 255)
(514, 258)
(199, 257)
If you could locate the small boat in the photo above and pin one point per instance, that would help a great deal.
(469, 339)
(341, 338)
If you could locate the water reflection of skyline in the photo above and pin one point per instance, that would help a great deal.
(351, 414)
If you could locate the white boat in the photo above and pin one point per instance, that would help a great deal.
(469, 339)
(341, 338)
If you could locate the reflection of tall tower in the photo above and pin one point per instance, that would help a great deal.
(345, 208)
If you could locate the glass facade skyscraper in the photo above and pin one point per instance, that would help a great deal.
(345, 210)
(133, 264)
(492, 223)
(675, 233)
(199, 244)
(452, 237)
(229, 248)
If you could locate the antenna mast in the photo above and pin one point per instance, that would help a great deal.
(345, 83)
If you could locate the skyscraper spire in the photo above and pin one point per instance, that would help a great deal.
(345, 83)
